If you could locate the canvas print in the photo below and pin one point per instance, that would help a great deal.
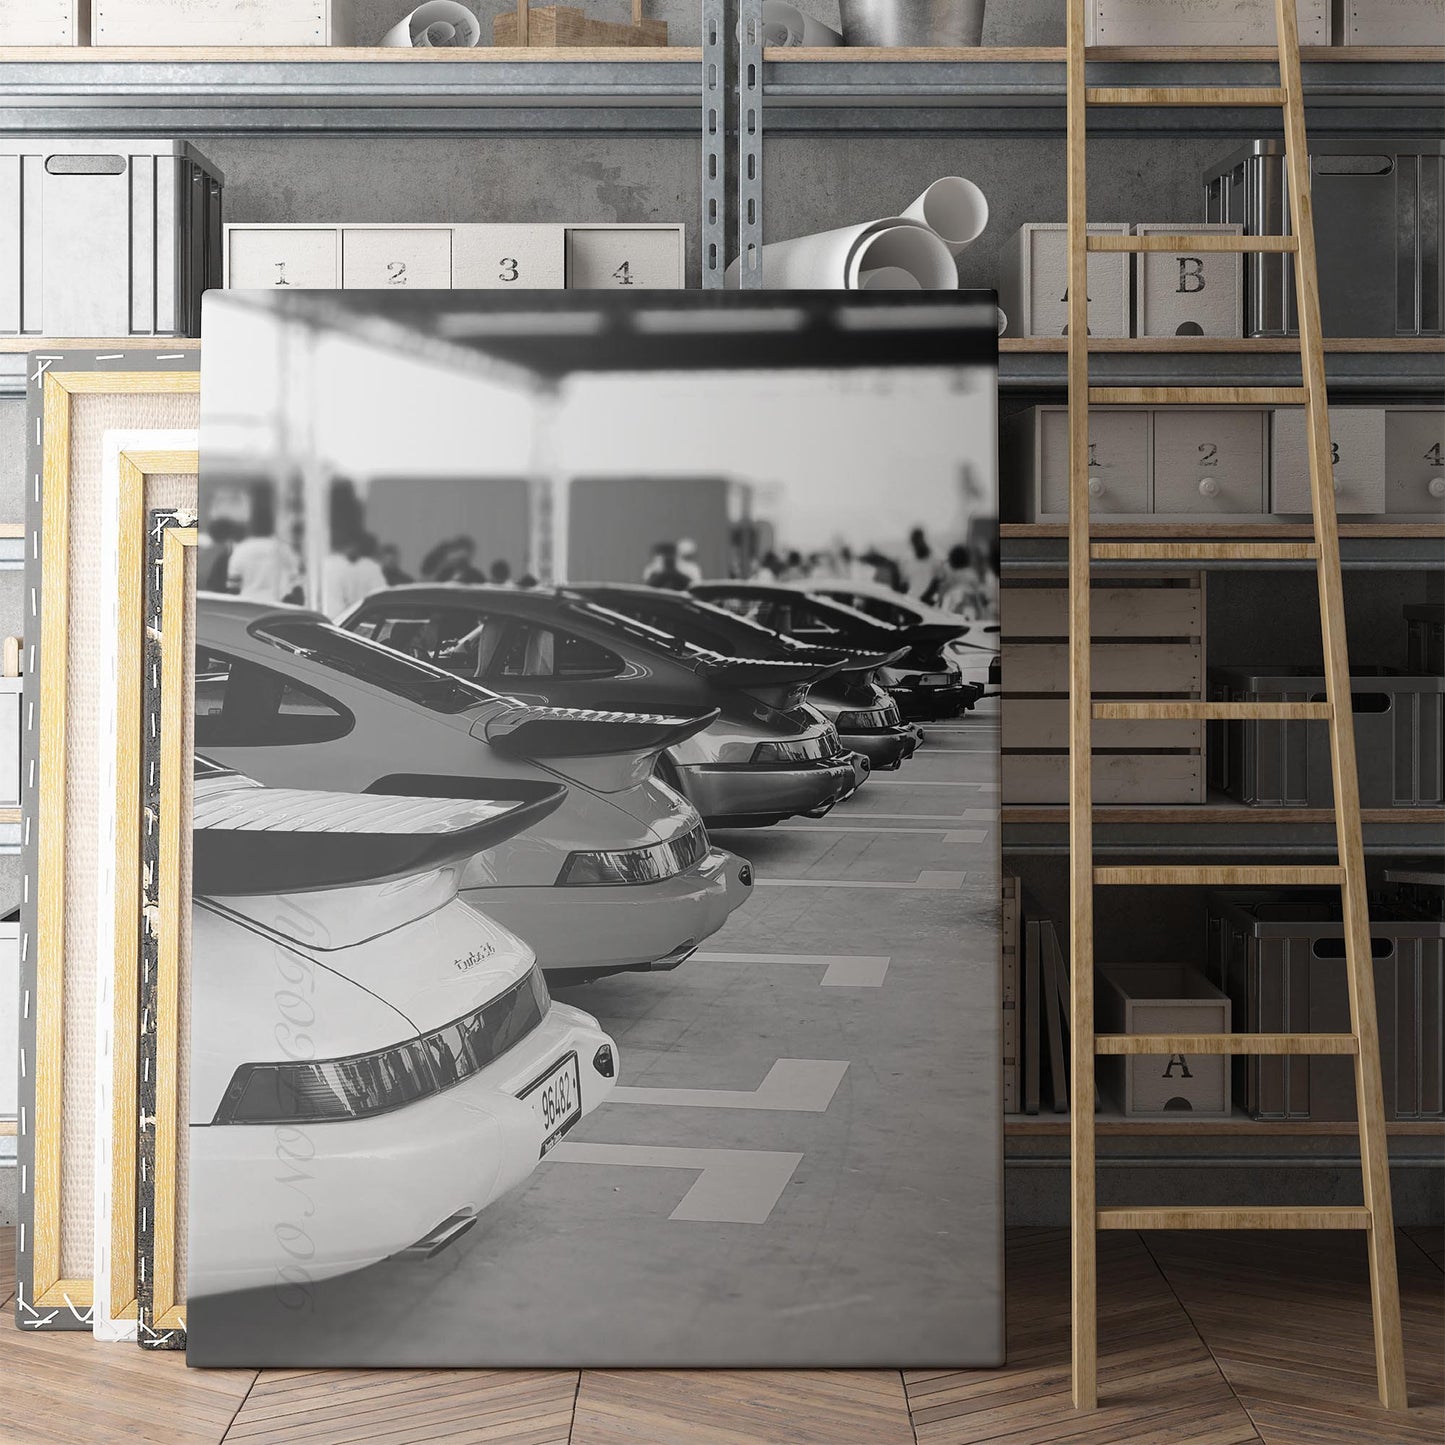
(596, 854)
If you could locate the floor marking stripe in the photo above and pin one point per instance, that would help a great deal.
(735, 1186)
(964, 815)
(797, 1086)
(860, 971)
(877, 782)
(929, 878)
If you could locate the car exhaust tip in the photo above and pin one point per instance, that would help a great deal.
(745, 874)
(446, 1233)
(605, 1062)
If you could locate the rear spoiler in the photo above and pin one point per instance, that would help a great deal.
(251, 841)
(564, 732)
(750, 672)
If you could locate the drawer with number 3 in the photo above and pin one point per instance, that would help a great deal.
(502, 258)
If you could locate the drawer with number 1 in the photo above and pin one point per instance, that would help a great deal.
(483, 257)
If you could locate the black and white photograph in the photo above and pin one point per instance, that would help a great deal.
(596, 860)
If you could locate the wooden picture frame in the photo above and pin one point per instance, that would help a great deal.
(75, 397)
(143, 470)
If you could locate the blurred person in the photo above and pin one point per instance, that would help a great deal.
(793, 569)
(391, 568)
(921, 568)
(368, 573)
(500, 573)
(687, 562)
(460, 565)
(769, 568)
(967, 586)
(663, 571)
(261, 566)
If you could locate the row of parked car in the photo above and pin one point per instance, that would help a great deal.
(411, 822)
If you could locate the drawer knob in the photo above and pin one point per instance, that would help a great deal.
(1208, 487)
(1096, 486)
(1437, 486)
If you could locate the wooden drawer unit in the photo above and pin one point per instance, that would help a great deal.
(643, 257)
(1038, 446)
(270, 257)
(1033, 287)
(501, 258)
(1208, 462)
(380, 258)
(54, 22)
(1415, 460)
(1202, 22)
(1357, 436)
(229, 22)
(1148, 642)
(1189, 293)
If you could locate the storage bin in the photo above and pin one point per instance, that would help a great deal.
(1389, 22)
(222, 22)
(1201, 22)
(1036, 445)
(106, 237)
(1280, 958)
(11, 692)
(1425, 637)
(1150, 998)
(1415, 460)
(1188, 293)
(1357, 442)
(1377, 214)
(1033, 286)
(1399, 739)
(643, 257)
(44, 22)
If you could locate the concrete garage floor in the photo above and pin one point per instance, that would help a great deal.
(802, 1162)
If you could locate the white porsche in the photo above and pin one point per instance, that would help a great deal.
(374, 1062)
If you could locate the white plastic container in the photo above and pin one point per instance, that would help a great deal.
(221, 22)
(44, 22)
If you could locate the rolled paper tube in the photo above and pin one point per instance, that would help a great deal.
(905, 246)
(785, 24)
(437, 25)
(888, 278)
(954, 209)
(835, 260)
(1002, 320)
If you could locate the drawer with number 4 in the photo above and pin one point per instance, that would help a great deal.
(645, 257)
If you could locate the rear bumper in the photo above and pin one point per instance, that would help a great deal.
(277, 1204)
(885, 748)
(934, 703)
(756, 794)
(583, 933)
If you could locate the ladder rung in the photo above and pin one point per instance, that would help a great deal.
(1313, 1216)
(1198, 395)
(1185, 95)
(1187, 241)
(1264, 1044)
(1215, 711)
(1205, 551)
(1223, 876)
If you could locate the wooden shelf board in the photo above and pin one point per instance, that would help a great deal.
(17, 345)
(1223, 345)
(1219, 813)
(1024, 1126)
(1158, 527)
(980, 54)
(480, 55)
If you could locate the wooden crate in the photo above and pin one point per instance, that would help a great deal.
(1189, 293)
(1148, 635)
(221, 22)
(554, 26)
(44, 22)
(1033, 286)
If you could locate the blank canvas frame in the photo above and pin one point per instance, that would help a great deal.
(76, 399)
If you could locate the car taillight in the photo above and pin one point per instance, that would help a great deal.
(652, 864)
(801, 750)
(362, 1085)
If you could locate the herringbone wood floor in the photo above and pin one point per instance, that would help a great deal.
(1205, 1340)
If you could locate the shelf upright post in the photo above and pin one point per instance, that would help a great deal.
(750, 144)
(716, 77)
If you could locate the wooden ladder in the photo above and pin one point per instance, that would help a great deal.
(1375, 1218)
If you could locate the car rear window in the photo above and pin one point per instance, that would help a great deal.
(403, 677)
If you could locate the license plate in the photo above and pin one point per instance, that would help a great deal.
(936, 679)
(556, 1100)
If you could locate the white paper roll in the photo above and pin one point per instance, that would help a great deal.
(437, 25)
(836, 260)
(888, 278)
(953, 208)
(1002, 320)
(785, 24)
